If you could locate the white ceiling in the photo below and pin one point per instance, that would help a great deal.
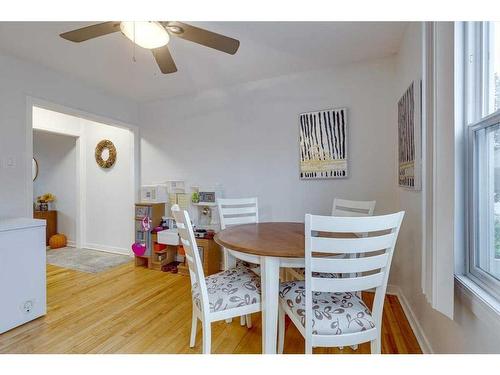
(267, 49)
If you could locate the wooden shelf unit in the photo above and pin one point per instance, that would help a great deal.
(151, 259)
(211, 255)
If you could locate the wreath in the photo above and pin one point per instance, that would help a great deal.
(101, 146)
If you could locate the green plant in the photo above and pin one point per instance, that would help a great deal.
(195, 198)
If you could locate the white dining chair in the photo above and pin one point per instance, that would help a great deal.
(344, 207)
(341, 208)
(227, 294)
(237, 211)
(327, 311)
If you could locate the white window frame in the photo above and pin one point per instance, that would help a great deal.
(438, 196)
(478, 69)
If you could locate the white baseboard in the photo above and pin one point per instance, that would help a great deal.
(108, 249)
(410, 315)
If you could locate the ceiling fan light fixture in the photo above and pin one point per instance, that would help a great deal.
(175, 29)
(146, 34)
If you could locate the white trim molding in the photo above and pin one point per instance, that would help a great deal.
(423, 342)
(438, 155)
(108, 249)
(481, 303)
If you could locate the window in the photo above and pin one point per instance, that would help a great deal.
(492, 36)
(482, 85)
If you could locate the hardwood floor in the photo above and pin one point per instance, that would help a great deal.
(135, 310)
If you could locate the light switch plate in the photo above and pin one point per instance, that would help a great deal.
(9, 162)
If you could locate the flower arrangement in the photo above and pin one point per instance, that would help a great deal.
(44, 200)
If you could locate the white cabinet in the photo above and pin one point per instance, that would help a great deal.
(22, 271)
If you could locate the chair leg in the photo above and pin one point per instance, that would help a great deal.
(194, 326)
(281, 330)
(249, 320)
(309, 349)
(243, 320)
(207, 337)
(375, 346)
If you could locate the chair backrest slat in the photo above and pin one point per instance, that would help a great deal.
(351, 245)
(344, 207)
(353, 224)
(349, 265)
(350, 284)
(236, 211)
(242, 210)
(228, 221)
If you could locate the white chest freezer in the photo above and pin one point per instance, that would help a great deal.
(22, 271)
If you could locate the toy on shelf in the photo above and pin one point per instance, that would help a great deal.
(154, 193)
(146, 224)
(139, 249)
(149, 221)
(205, 199)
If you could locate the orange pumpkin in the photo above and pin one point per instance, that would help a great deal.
(57, 241)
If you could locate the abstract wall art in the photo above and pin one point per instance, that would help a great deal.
(323, 144)
(410, 138)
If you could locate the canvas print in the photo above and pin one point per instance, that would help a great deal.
(323, 144)
(409, 138)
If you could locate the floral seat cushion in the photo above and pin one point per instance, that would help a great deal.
(235, 287)
(333, 313)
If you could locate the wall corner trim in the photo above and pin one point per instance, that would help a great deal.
(410, 315)
(108, 249)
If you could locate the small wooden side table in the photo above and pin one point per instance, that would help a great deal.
(51, 218)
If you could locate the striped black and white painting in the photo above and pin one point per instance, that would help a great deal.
(409, 137)
(323, 144)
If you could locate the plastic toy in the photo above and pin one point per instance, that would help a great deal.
(139, 249)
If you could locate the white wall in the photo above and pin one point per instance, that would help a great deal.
(470, 331)
(56, 157)
(19, 80)
(245, 137)
(106, 196)
(109, 193)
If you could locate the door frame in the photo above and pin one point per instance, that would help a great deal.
(80, 162)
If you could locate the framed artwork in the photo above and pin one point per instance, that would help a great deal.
(323, 144)
(410, 138)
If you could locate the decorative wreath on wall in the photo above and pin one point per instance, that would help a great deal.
(105, 144)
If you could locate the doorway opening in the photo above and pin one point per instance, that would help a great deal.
(94, 196)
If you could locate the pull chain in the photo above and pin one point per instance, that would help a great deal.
(133, 57)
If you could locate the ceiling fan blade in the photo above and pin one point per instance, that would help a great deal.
(164, 60)
(93, 31)
(202, 36)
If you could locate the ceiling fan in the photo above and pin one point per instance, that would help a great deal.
(155, 35)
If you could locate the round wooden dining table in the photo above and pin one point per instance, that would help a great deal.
(272, 245)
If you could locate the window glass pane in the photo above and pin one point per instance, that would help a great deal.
(487, 255)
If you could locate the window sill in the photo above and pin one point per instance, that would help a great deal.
(482, 304)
